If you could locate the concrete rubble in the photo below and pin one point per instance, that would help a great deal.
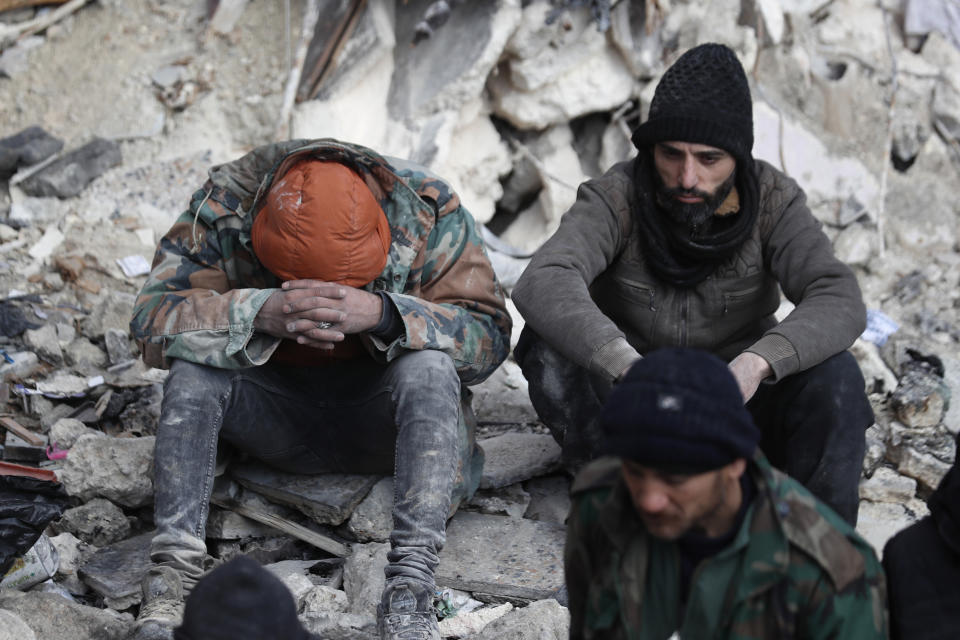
(516, 112)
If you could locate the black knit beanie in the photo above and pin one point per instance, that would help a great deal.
(703, 98)
(678, 410)
(240, 600)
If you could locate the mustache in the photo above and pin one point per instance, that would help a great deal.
(684, 193)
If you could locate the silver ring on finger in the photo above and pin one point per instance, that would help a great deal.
(323, 324)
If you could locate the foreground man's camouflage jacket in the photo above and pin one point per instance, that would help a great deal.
(795, 570)
(206, 285)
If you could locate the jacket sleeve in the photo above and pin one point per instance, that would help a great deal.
(829, 313)
(187, 308)
(553, 293)
(461, 308)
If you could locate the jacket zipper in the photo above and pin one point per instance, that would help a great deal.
(683, 319)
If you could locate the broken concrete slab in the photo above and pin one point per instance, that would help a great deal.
(12, 627)
(53, 617)
(322, 599)
(119, 469)
(549, 499)
(71, 173)
(115, 571)
(372, 520)
(45, 343)
(73, 553)
(341, 626)
(465, 624)
(557, 72)
(84, 356)
(877, 522)
(112, 311)
(541, 620)
(363, 577)
(886, 485)
(498, 555)
(427, 79)
(327, 499)
(510, 501)
(117, 342)
(66, 431)
(97, 522)
(515, 457)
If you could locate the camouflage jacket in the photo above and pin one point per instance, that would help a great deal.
(206, 285)
(794, 570)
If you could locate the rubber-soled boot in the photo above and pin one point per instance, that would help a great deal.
(161, 608)
(406, 612)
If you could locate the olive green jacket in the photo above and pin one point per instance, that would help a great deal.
(795, 570)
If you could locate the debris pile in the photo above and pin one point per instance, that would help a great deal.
(516, 103)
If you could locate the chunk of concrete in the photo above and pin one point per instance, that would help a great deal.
(323, 599)
(515, 457)
(502, 556)
(341, 626)
(511, 501)
(53, 617)
(119, 469)
(363, 577)
(72, 172)
(44, 343)
(886, 485)
(117, 342)
(372, 520)
(112, 311)
(327, 498)
(464, 625)
(12, 627)
(541, 620)
(98, 522)
(427, 79)
(877, 522)
(66, 431)
(115, 571)
(73, 553)
(549, 499)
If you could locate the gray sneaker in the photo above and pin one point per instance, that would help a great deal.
(406, 612)
(161, 608)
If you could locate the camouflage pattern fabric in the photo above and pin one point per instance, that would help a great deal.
(207, 286)
(794, 570)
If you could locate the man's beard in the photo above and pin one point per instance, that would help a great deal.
(694, 216)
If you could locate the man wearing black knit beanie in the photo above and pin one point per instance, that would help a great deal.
(684, 530)
(690, 244)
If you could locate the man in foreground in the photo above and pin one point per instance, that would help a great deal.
(689, 531)
(689, 244)
(320, 308)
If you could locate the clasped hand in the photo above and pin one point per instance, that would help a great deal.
(318, 314)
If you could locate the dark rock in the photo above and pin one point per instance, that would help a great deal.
(502, 556)
(13, 320)
(70, 174)
(923, 396)
(98, 522)
(30, 146)
(115, 571)
(327, 499)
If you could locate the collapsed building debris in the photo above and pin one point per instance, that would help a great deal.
(516, 103)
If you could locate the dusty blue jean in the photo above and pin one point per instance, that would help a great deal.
(356, 417)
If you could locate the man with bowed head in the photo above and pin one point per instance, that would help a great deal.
(690, 244)
(689, 532)
(321, 308)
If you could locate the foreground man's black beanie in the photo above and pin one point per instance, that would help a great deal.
(703, 98)
(240, 600)
(678, 410)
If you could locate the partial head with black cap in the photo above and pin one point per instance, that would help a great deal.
(678, 423)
